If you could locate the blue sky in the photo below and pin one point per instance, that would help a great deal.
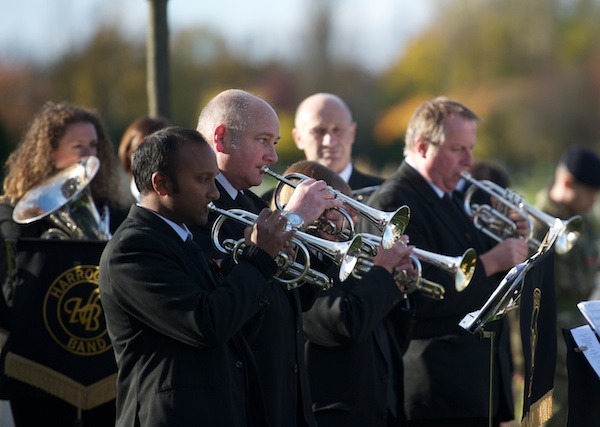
(371, 31)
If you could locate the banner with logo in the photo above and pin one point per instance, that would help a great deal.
(58, 340)
(538, 336)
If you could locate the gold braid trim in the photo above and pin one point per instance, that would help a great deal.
(539, 412)
(60, 385)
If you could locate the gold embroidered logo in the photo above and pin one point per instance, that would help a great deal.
(535, 311)
(72, 312)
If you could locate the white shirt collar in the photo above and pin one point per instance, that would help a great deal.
(183, 232)
(437, 189)
(346, 172)
(233, 192)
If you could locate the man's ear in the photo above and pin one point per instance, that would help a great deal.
(421, 147)
(353, 130)
(569, 181)
(161, 183)
(297, 139)
(219, 138)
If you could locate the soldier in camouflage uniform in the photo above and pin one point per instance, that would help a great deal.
(572, 192)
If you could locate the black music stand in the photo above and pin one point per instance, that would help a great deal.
(584, 387)
(505, 298)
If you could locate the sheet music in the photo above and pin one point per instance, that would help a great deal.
(591, 312)
(588, 344)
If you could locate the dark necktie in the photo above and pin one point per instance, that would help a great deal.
(454, 208)
(460, 216)
(205, 262)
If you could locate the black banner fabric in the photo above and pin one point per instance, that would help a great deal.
(58, 340)
(538, 336)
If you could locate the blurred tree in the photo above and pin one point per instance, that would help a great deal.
(108, 74)
(528, 68)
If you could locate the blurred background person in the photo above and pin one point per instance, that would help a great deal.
(132, 137)
(58, 137)
(573, 191)
(447, 369)
(325, 131)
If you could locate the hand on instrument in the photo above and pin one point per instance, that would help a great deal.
(310, 199)
(521, 223)
(505, 255)
(268, 232)
(335, 226)
(397, 258)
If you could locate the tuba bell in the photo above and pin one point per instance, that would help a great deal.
(65, 199)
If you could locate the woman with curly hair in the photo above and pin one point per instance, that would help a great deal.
(58, 137)
(60, 134)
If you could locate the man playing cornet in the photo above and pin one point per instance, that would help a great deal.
(356, 330)
(242, 129)
(446, 379)
(174, 321)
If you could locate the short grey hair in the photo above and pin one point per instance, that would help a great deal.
(230, 107)
(428, 120)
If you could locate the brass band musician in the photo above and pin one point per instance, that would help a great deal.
(59, 135)
(446, 369)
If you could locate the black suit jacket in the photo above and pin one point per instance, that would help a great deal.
(278, 344)
(447, 368)
(356, 333)
(175, 328)
(360, 179)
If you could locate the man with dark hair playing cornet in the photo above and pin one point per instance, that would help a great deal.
(174, 321)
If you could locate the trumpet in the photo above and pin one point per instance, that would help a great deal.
(462, 268)
(494, 221)
(344, 254)
(391, 224)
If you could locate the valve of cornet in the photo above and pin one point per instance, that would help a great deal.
(416, 282)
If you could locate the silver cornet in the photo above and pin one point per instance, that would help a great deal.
(494, 221)
(343, 254)
(392, 224)
(462, 268)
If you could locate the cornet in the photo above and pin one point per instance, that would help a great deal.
(462, 268)
(494, 221)
(392, 224)
(344, 254)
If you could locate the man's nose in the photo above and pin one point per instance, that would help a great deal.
(328, 139)
(271, 155)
